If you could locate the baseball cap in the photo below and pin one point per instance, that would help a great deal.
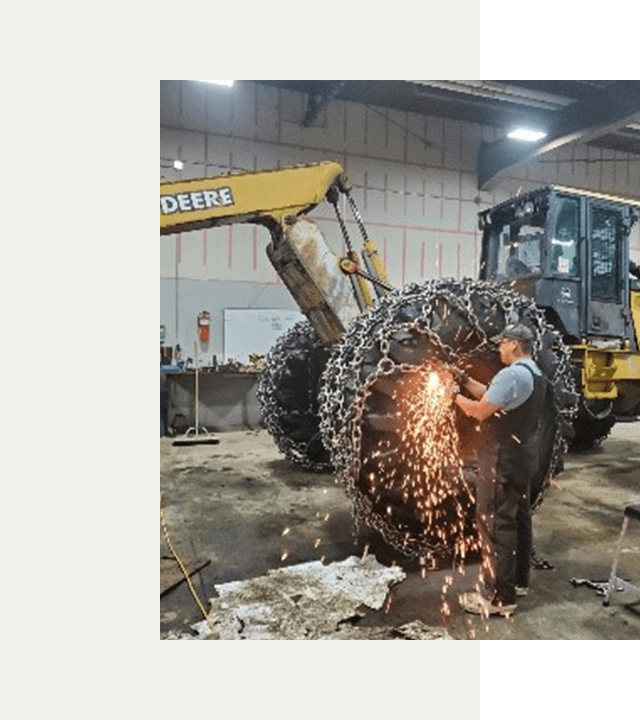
(515, 331)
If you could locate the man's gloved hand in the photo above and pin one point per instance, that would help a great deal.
(460, 376)
(450, 372)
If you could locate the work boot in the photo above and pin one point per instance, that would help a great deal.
(478, 605)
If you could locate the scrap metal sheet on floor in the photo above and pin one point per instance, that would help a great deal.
(310, 601)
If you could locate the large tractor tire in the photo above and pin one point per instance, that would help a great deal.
(592, 425)
(288, 393)
(409, 458)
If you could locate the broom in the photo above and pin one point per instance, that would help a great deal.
(197, 435)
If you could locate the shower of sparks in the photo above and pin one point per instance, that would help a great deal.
(425, 469)
(471, 627)
(430, 451)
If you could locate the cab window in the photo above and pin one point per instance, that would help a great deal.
(606, 245)
(519, 250)
(564, 238)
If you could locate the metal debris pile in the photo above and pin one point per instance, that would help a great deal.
(310, 601)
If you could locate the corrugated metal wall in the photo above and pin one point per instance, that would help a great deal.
(414, 182)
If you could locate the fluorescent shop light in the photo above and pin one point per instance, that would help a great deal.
(226, 83)
(528, 135)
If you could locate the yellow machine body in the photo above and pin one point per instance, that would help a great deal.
(259, 197)
(604, 369)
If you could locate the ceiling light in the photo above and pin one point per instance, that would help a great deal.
(528, 135)
(226, 83)
(178, 164)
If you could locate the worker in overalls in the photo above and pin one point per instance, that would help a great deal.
(509, 410)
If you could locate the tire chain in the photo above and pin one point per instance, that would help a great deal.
(346, 384)
(301, 337)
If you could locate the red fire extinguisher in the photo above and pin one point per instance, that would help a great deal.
(204, 325)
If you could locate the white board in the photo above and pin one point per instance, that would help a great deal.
(250, 330)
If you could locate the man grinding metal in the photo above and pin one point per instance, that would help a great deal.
(510, 410)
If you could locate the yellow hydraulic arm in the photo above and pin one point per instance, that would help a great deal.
(260, 197)
(330, 290)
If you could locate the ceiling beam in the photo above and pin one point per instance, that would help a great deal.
(607, 109)
(319, 99)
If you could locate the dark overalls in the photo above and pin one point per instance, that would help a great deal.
(515, 437)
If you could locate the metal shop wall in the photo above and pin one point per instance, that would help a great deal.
(414, 182)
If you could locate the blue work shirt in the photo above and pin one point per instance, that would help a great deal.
(513, 385)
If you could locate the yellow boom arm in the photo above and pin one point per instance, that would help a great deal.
(261, 197)
(330, 296)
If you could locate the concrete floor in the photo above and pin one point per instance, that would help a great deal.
(230, 503)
